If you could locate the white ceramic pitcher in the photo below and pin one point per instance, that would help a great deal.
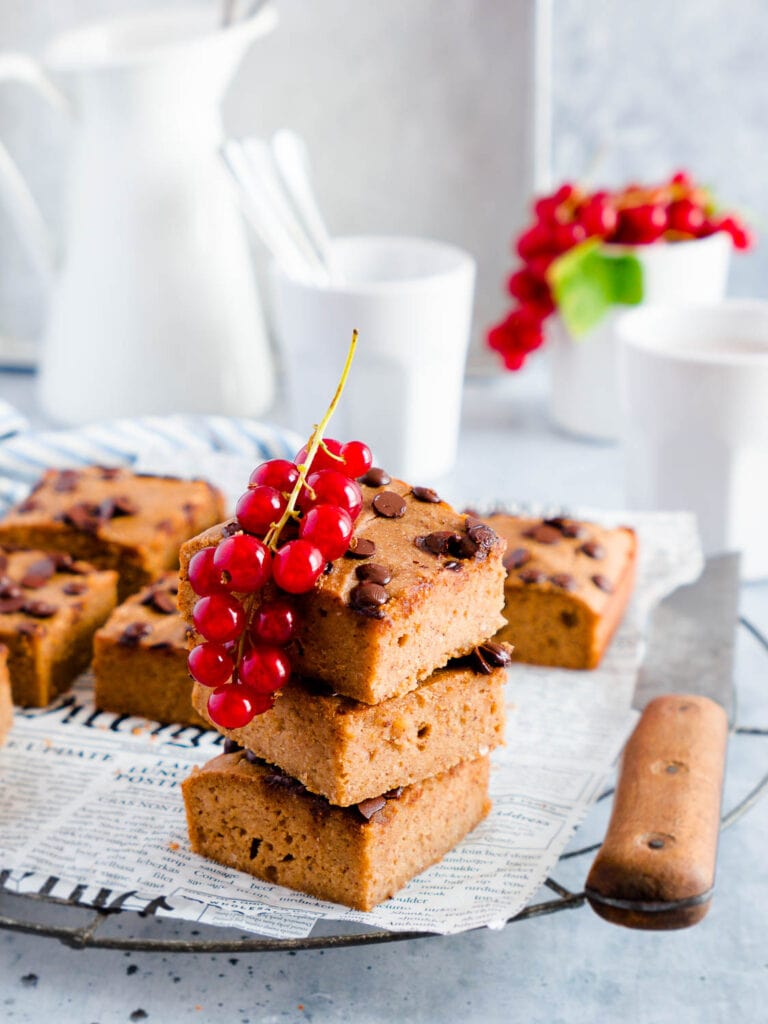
(154, 307)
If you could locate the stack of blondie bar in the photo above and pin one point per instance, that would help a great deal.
(373, 762)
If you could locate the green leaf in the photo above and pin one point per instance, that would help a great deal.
(587, 280)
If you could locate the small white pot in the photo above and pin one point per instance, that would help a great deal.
(584, 383)
(694, 382)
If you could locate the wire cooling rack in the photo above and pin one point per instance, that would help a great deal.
(87, 931)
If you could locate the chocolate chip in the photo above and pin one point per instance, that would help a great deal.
(252, 758)
(161, 601)
(9, 605)
(40, 609)
(368, 599)
(9, 589)
(466, 547)
(231, 746)
(109, 472)
(437, 543)
(482, 535)
(394, 794)
(593, 549)
(544, 534)
(532, 576)
(480, 664)
(74, 589)
(603, 583)
(29, 629)
(66, 480)
(123, 506)
(279, 780)
(361, 547)
(426, 494)
(328, 569)
(28, 505)
(376, 477)
(38, 573)
(496, 654)
(516, 558)
(133, 634)
(368, 808)
(162, 645)
(452, 565)
(231, 528)
(389, 504)
(567, 527)
(372, 572)
(84, 517)
(563, 580)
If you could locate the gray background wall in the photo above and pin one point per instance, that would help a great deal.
(419, 113)
(642, 88)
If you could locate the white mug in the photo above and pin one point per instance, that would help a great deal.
(695, 396)
(411, 301)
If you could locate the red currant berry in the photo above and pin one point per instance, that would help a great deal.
(329, 487)
(534, 241)
(322, 459)
(210, 664)
(274, 624)
(277, 473)
(641, 225)
(219, 618)
(599, 217)
(204, 578)
(686, 217)
(329, 528)
(234, 706)
(243, 562)
(566, 236)
(683, 179)
(297, 566)
(738, 232)
(265, 669)
(357, 458)
(259, 507)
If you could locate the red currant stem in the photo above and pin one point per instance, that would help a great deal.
(316, 439)
(272, 537)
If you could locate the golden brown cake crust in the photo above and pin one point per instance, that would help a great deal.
(6, 703)
(348, 751)
(140, 658)
(444, 597)
(113, 518)
(568, 584)
(247, 816)
(50, 607)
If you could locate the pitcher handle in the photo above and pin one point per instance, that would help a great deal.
(14, 191)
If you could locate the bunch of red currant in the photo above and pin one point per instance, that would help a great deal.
(295, 518)
(674, 211)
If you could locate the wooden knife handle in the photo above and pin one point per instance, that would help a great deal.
(656, 867)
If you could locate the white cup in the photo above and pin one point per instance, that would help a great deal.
(695, 394)
(411, 301)
(584, 398)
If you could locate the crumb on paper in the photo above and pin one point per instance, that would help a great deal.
(173, 846)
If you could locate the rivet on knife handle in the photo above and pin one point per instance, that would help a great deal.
(656, 867)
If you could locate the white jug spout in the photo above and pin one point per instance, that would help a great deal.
(14, 191)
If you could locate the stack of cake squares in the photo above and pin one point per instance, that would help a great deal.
(374, 761)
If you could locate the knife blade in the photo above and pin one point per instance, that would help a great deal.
(656, 867)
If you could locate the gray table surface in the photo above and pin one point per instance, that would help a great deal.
(562, 969)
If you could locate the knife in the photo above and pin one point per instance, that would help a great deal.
(656, 867)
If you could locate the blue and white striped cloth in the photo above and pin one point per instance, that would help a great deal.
(24, 454)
